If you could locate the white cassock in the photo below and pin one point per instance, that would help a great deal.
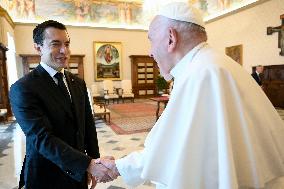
(218, 131)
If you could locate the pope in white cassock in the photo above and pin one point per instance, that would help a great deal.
(219, 130)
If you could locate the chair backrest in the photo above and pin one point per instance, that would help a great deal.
(108, 85)
(94, 89)
(99, 107)
(126, 85)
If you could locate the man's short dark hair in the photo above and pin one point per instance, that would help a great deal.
(39, 31)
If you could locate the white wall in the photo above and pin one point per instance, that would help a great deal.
(248, 27)
(133, 43)
(4, 28)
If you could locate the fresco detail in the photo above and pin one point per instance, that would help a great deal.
(103, 13)
(19, 8)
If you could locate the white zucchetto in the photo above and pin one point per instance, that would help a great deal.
(182, 11)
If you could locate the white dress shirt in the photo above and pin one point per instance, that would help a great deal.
(52, 73)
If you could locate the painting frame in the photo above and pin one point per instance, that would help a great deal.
(236, 53)
(107, 60)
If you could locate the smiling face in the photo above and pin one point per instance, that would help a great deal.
(159, 46)
(55, 50)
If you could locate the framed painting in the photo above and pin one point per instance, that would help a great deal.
(236, 53)
(107, 60)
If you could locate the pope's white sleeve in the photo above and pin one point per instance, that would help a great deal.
(130, 168)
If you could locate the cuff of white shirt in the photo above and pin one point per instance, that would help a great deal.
(130, 169)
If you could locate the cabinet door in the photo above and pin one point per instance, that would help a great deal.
(144, 74)
(4, 100)
(30, 62)
(75, 64)
(273, 84)
(2, 78)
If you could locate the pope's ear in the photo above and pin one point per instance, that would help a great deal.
(38, 48)
(172, 40)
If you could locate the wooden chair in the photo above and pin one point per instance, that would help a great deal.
(99, 109)
(109, 91)
(95, 92)
(101, 112)
(126, 90)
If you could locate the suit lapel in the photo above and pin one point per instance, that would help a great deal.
(51, 90)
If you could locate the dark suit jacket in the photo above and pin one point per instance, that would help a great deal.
(256, 78)
(61, 137)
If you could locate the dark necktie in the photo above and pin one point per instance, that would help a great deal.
(61, 85)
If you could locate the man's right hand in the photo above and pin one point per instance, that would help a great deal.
(100, 172)
(94, 182)
(110, 164)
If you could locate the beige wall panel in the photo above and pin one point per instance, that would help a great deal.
(248, 27)
(82, 38)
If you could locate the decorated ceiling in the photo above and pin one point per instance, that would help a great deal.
(103, 13)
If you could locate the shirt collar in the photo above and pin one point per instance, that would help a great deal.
(179, 67)
(50, 70)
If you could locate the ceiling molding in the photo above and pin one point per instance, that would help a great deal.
(4, 13)
(230, 12)
(89, 27)
(235, 11)
(119, 1)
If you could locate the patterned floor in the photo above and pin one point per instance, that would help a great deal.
(12, 150)
(119, 146)
(135, 117)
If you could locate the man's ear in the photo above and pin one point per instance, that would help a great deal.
(172, 39)
(38, 48)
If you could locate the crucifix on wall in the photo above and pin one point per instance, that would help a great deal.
(280, 31)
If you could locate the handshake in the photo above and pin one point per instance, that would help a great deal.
(102, 170)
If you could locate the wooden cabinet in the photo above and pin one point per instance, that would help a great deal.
(4, 97)
(75, 65)
(144, 74)
(273, 84)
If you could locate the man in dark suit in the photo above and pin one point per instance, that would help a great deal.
(256, 74)
(52, 108)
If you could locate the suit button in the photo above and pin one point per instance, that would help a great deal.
(69, 172)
